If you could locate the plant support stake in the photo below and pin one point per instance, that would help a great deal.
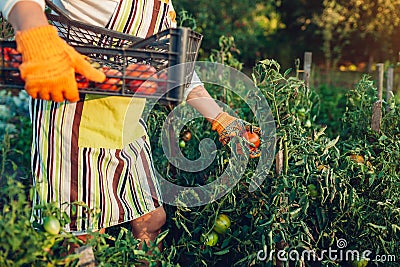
(307, 68)
(377, 109)
(389, 86)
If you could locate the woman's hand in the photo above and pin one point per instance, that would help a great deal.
(48, 63)
(228, 127)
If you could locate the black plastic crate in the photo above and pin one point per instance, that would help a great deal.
(164, 53)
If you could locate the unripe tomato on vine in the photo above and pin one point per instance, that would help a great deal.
(210, 239)
(222, 224)
(51, 225)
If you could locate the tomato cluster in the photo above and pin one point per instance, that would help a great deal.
(185, 137)
(113, 81)
(11, 57)
(140, 73)
(139, 77)
(221, 226)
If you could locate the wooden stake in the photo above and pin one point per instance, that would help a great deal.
(376, 116)
(279, 162)
(380, 69)
(86, 256)
(389, 86)
(307, 67)
(377, 108)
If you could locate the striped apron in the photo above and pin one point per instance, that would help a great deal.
(92, 158)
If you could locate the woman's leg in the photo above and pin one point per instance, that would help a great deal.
(148, 226)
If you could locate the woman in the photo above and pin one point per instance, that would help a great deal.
(76, 157)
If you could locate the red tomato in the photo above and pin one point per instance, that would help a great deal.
(187, 136)
(253, 138)
(12, 57)
(147, 88)
(112, 82)
(143, 72)
(82, 82)
(8, 51)
(163, 85)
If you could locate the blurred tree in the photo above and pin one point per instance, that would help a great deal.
(370, 26)
(251, 23)
(335, 28)
(299, 34)
(357, 30)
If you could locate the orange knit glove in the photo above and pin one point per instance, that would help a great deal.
(228, 127)
(49, 65)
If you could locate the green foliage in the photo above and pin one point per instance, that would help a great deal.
(250, 23)
(227, 53)
(26, 244)
(21, 244)
(317, 192)
(333, 30)
(351, 24)
(360, 102)
(325, 185)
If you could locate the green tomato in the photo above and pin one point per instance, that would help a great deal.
(311, 187)
(211, 239)
(51, 225)
(222, 224)
(314, 193)
(312, 190)
(301, 112)
(182, 144)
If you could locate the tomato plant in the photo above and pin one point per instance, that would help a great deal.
(324, 185)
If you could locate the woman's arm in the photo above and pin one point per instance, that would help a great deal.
(25, 15)
(201, 100)
(226, 125)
